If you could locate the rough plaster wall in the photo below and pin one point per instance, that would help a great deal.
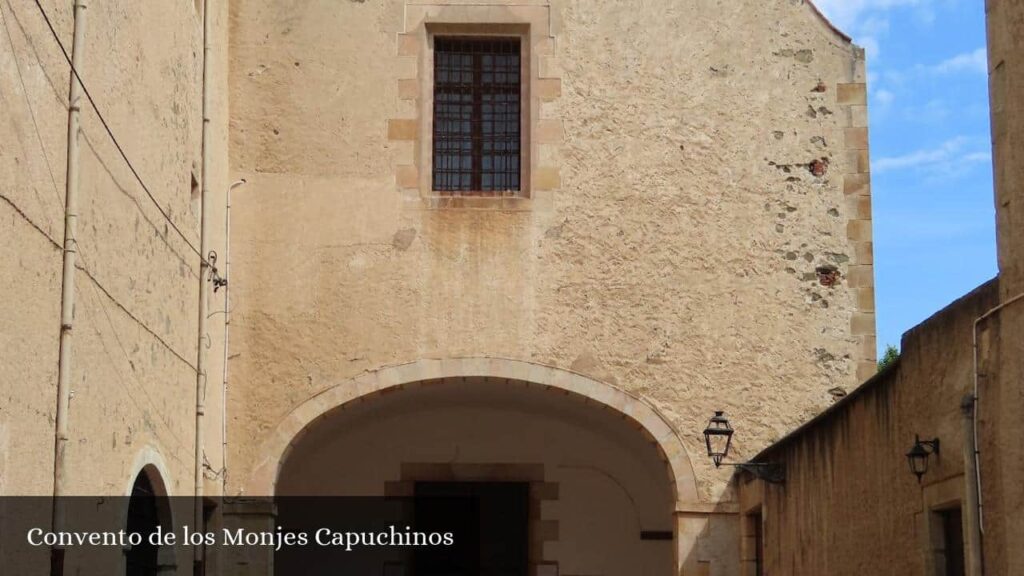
(135, 321)
(1002, 399)
(1006, 42)
(30, 205)
(819, 523)
(1002, 464)
(677, 261)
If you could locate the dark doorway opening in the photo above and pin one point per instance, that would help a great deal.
(143, 518)
(953, 538)
(490, 521)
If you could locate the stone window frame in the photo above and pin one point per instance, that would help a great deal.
(938, 497)
(937, 533)
(541, 84)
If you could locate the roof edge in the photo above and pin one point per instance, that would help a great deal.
(869, 384)
(823, 18)
(990, 285)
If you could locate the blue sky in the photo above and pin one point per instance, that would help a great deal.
(934, 220)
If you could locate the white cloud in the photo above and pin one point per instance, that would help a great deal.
(884, 97)
(949, 158)
(865, 20)
(871, 47)
(974, 61)
(978, 157)
(933, 111)
(874, 26)
(920, 157)
(847, 13)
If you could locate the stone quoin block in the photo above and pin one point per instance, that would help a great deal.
(548, 88)
(409, 89)
(547, 178)
(549, 132)
(857, 184)
(864, 253)
(861, 276)
(862, 323)
(407, 176)
(402, 129)
(851, 94)
(859, 230)
(408, 45)
(857, 161)
(856, 138)
(866, 298)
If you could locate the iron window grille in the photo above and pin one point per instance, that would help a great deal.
(477, 115)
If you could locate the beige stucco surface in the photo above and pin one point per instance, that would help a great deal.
(675, 260)
(134, 334)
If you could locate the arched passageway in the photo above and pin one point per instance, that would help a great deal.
(569, 481)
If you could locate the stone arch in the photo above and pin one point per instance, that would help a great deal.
(275, 449)
(150, 462)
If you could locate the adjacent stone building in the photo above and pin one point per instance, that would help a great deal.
(958, 381)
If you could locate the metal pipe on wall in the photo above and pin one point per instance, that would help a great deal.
(971, 492)
(227, 330)
(67, 291)
(205, 270)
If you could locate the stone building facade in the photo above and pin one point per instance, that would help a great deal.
(693, 177)
(691, 231)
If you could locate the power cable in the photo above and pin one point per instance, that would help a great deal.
(113, 139)
(31, 112)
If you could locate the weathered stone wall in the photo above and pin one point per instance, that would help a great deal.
(669, 246)
(1002, 403)
(134, 337)
(1006, 43)
(1001, 407)
(850, 504)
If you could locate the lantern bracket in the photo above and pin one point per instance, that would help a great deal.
(770, 472)
(718, 438)
(919, 455)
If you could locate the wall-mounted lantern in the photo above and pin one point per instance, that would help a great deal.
(718, 438)
(919, 455)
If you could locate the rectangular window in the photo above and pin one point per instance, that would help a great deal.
(477, 115)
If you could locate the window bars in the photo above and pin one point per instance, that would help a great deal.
(477, 104)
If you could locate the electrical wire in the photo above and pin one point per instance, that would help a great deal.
(84, 267)
(113, 139)
(31, 112)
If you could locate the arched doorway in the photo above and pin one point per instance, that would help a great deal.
(571, 485)
(148, 510)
